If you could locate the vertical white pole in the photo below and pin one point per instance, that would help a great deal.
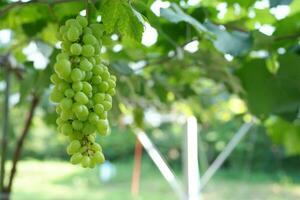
(191, 165)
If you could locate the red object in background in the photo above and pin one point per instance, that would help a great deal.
(135, 184)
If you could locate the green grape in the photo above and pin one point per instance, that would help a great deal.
(55, 79)
(62, 56)
(96, 147)
(82, 21)
(66, 104)
(96, 80)
(85, 162)
(76, 75)
(97, 70)
(89, 39)
(86, 87)
(80, 97)
(74, 147)
(111, 91)
(99, 157)
(73, 34)
(98, 98)
(93, 118)
(67, 129)
(105, 75)
(106, 105)
(63, 68)
(75, 49)
(103, 115)
(77, 86)
(88, 50)
(69, 93)
(77, 125)
(56, 96)
(76, 158)
(85, 64)
(83, 89)
(102, 127)
(99, 109)
(88, 128)
(103, 86)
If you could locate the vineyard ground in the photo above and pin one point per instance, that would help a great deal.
(51, 180)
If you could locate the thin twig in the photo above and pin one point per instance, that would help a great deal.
(287, 37)
(20, 142)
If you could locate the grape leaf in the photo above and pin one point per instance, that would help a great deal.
(119, 16)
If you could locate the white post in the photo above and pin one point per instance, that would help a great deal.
(161, 164)
(225, 153)
(190, 159)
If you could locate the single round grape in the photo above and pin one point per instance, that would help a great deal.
(99, 98)
(106, 105)
(88, 128)
(102, 127)
(63, 68)
(66, 114)
(111, 91)
(96, 147)
(97, 69)
(105, 75)
(74, 147)
(111, 83)
(77, 125)
(67, 129)
(75, 49)
(85, 162)
(86, 87)
(56, 96)
(96, 80)
(80, 97)
(66, 104)
(103, 86)
(73, 34)
(99, 109)
(65, 46)
(89, 39)
(77, 86)
(76, 158)
(88, 50)
(85, 64)
(93, 118)
(76, 75)
(62, 56)
(82, 21)
(69, 93)
(55, 79)
(99, 157)
(103, 115)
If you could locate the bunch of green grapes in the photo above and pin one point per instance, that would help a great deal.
(83, 90)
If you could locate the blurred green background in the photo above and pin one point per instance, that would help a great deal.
(222, 61)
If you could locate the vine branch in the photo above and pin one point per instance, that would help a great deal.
(19, 146)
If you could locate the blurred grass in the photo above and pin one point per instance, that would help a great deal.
(60, 180)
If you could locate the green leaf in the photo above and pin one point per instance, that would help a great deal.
(175, 14)
(268, 93)
(284, 133)
(31, 29)
(119, 16)
(234, 43)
